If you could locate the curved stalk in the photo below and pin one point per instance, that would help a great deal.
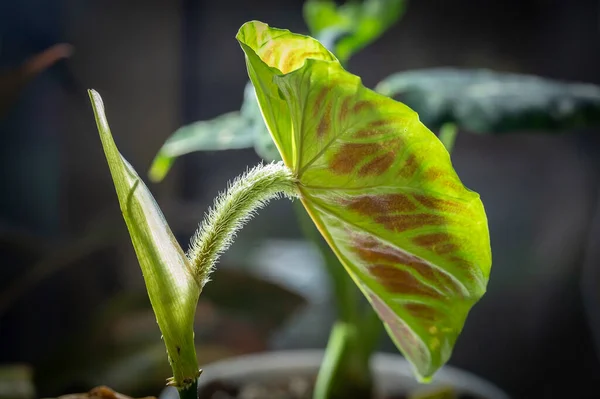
(232, 210)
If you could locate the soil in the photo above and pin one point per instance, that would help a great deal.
(291, 388)
(101, 392)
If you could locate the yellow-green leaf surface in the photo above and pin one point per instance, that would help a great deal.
(380, 187)
(170, 283)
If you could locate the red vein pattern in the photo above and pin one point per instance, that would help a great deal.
(380, 187)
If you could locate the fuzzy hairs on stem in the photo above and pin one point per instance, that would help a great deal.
(232, 209)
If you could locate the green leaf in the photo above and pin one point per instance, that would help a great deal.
(225, 132)
(381, 189)
(14, 81)
(347, 28)
(264, 144)
(234, 130)
(170, 283)
(484, 101)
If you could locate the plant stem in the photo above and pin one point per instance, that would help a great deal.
(343, 373)
(232, 210)
(447, 136)
(189, 392)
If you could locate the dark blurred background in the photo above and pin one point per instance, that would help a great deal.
(160, 64)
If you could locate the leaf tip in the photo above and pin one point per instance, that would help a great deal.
(160, 167)
(423, 380)
(257, 27)
(95, 98)
(98, 107)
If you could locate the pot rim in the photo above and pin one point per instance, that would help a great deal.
(280, 363)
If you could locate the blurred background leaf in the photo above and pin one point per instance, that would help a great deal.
(13, 81)
(263, 143)
(345, 29)
(225, 132)
(229, 131)
(484, 101)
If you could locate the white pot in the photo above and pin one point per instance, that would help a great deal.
(392, 373)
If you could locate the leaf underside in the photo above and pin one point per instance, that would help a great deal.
(484, 101)
(381, 189)
(171, 285)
